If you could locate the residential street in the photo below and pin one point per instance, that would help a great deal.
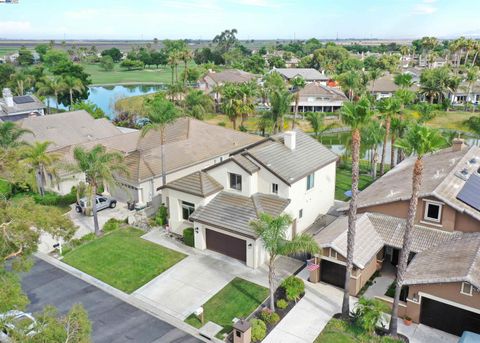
(113, 320)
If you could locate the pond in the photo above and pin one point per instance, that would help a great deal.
(106, 96)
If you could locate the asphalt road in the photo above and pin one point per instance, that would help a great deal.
(113, 320)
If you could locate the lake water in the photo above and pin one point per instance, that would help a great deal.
(106, 96)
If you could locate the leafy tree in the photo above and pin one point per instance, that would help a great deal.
(317, 121)
(55, 57)
(50, 86)
(72, 85)
(99, 167)
(25, 57)
(435, 82)
(368, 312)
(191, 74)
(6, 72)
(254, 64)
(274, 81)
(21, 82)
(197, 104)
(273, 231)
(226, 40)
(42, 49)
(427, 112)
(106, 63)
(95, 111)
(158, 58)
(473, 123)
(131, 64)
(276, 62)
(351, 83)
(280, 101)
(403, 80)
(356, 115)
(419, 141)
(114, 53)
(10, 135)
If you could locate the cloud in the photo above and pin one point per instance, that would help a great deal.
(426, 7)
(14, 27)
(258, 3)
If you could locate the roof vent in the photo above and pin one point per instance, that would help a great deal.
(290, 139)
(473, 160)
(458, 144)
(462, 174)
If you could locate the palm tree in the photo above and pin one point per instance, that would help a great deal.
(372, 135)
(99, 167)
(45, 87)
(280, 101)
(471, 76)
(350, 82)
(197, 104)
(185, 55)
(72, 84)
(317, 121)
(419, 140)
(389, 108)
(374, 75)
(161, 112)
(40, 161)
(247, 91)
(273, 233)
(22, 82)
(173, 58)
(298, 83)
(10, 134)
(404, 81)
(355, 115)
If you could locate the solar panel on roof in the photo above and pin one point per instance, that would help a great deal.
(24, 99)
(470, 193)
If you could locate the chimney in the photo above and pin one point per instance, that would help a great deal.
(7, 97)
(290, 139)
(458, 144)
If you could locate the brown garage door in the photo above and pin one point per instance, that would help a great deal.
(227, 245)
(332, 273)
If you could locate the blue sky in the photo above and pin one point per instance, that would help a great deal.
(254, 19)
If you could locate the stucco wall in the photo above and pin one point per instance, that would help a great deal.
(466, 223)
(221, 174)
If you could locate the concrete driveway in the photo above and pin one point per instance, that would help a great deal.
(113, 320)
(186, 286)
(419, 333)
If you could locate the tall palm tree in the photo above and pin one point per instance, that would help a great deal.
(350, 82)
(40, 161)
(317, 122)
(99, 167)
(247, 91)
(185, 55)
(160, 113)
(419, 140)
(22, 82)
(471, 76)
(173, 58)
(372, 135)
(389, 108)
(72, 85)
(10, 135)
(280, 101)
(374, 75)
(273, 232)
(197, 104)
(298, 83)
(45, 88)
(355, 115)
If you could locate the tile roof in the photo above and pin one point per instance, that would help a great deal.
(386, 84)
(245, 163)
(231, 76)
(199, 183)
(325, 93)
(234, 212)
(309, 74)
(291, 165)
(457, 260)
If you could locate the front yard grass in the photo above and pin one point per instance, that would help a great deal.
(339, 331)
(237, 299)
(123, 259)
(343, 182)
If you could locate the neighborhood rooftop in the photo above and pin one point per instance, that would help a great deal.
(309, 74)
(231, 76)
(198, 183)
(315, 89)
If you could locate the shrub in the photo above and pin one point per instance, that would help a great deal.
(282, 304)
(53, 199)
(222, 123)
(111, 225)
(243, 128)
(294, 288)
(391, 290)
(367, 313)
(269, 317)
(188, 238)
(5, 188)
(259, 329)
(161, 218)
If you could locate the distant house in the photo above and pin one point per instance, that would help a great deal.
(315, 97)
(385, 87)
(438, 62)
(13, 108)
(210, 82)
(464, 94)
(308, 74)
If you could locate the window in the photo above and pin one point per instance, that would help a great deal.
(275, 188)
(467, 288)
(433, 211)
(300, 213)
(187, 209)
(332, 253)
(310, 181)
(235, 181)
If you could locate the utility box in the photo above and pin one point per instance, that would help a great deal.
(242, 331)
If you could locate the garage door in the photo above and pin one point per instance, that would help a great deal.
(448, 318)
(332, 273)
(227, 245)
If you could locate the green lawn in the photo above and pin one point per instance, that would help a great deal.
(343, 182)
(338, 331)
(6, 51)
(123, 259)
(120, 75)
(236, 300)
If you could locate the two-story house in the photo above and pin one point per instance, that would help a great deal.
(287, 173)
(441, 286)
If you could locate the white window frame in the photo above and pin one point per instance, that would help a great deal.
(185, 205)
(332, 254)
(462, 288)
(312, 185)
(275, 188)
(440, 209)
(230, 181)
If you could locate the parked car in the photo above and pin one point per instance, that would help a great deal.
(102, 202)
(16, 320)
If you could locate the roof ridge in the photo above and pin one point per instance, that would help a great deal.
(202, 186)
(257, 205)
(473, 259)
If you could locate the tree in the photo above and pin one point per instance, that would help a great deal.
(403, 80)
(39, 160)
(21, 82)
(280, 101)
(368, 312)
(419, 140)
(114, 53)
(317, 121)
(10, 135)
(471, 76)
(99, 167)
(355, 115)
(273, 231)
(350, 82)
(372, 135)
(88, 106)
(435, 82)
(50, 86)
(131, 64)
(42, 49)
(160, 113)
(185, 55)
(197, 104)
(106, 63)
(226, 40)
(298, 83)
(55, 57)
(25, 57)
(373, 76)
(473, 123)
(72, 84)
(6, 72)
(389, 108)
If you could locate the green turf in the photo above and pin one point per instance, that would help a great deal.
(122, 259)
(338, 331)
(236, 300)
(6, 51)
(120, 75)
(343, 182)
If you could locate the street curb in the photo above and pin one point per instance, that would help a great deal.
(130, 299)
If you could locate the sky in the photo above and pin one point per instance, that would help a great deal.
(254, 19)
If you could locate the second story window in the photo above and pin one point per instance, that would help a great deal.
(275, 188)
(235, 181)
(433, 211)
(310, 181)
(467, 288)
(187, 209)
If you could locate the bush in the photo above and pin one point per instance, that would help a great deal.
(282, 304)
(269, 317)
(161, 218)
(294, 288)
(222, 123)
(259, 330)
(243, 128)
(111, 225)
(53, 199)
(188, 238)
(5, 188)
(391, 290)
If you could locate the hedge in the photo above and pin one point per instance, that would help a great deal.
(188, 237)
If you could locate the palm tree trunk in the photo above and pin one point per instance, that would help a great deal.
(271, 282)
(475, 58)
(56, 100)
(38, 176)
(162, 157)
(384, 148)
(375, 161)
(94, 209)
(71, 98)
(296, 112)
(352, 221)
(392, 151)
(407, 241)
(185, 73)
(173, 73)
